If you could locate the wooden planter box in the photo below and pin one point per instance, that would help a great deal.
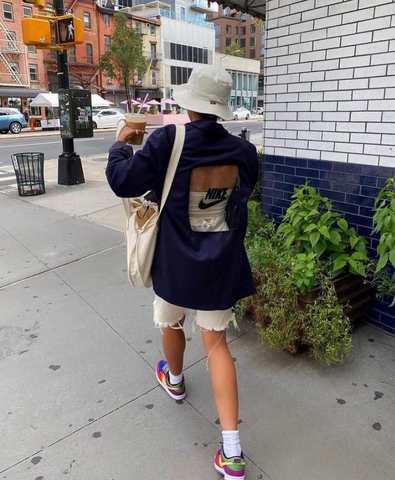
(351, 292)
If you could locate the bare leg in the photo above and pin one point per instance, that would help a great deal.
(223, 378)
(173, 342)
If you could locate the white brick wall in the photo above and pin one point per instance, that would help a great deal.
(330, 80)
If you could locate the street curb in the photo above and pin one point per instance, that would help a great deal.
(56, 133)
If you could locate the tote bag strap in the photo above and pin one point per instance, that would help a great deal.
(171, 168)
(173, 163)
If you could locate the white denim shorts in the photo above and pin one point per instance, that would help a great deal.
(169, 315)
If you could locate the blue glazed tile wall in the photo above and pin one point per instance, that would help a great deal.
(352, 188)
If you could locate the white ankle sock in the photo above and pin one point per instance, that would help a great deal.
(175, 379)
(231, 443)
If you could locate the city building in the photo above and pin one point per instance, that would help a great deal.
(22, 73)
(247, 32)
(245, 75)
(84, 60)
(187, 40)
(330, 109)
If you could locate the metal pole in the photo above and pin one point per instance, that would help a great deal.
(69, 163)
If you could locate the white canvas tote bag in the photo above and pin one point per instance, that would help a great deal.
(142, 222)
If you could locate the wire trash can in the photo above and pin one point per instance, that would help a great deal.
(29, 172)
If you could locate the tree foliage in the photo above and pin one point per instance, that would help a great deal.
(124, 60)
(234, 50)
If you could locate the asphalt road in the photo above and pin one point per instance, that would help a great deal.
(51, 145)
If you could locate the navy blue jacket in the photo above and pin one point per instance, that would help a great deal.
(197, 270)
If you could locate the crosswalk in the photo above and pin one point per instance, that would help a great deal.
(7, 179)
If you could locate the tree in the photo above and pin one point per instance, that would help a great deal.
(234, 50)
(124, 58)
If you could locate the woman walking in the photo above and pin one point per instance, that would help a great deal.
(200, 262)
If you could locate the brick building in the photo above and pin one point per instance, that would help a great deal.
(330, 108)
(246, 31)
(22, 73)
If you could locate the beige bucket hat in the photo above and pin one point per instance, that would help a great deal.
(207, 91)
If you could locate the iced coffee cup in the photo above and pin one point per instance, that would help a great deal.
(136, 121)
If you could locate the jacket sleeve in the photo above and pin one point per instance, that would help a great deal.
(131, 175)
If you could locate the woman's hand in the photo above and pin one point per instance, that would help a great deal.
(129, 135)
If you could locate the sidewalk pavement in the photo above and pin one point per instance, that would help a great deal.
(78, 351)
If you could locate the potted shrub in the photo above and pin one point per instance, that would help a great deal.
(309, 272)
(325, 243)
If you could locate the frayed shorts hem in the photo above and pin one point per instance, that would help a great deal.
(169, 315)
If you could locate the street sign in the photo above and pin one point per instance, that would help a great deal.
(70, 30)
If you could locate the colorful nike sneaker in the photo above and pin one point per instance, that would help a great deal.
(177, 392)
(231, 468)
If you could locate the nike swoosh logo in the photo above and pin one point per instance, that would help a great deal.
(203, 205)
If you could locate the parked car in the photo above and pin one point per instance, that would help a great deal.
(11, 120)
(241, 113)
(259, 110)
(107, 118)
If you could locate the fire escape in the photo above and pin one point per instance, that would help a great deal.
(13, 57)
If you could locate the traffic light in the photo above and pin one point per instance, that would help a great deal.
(36, 32)
(37, 3)
(70, 30)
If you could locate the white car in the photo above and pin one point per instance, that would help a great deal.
(241, 112)
(107, 118)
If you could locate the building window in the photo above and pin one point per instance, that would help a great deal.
(89, 53)
(72, 56)
(33, 72)
(263, 39)
(228, 29)
(252, 28)
(228, 41)
(153, 30)
(252, 41)
(262, 52)
(31, 49)
(188, 53)
(236, 30)
(182, 13)
(109, 79)
(27, 12)
(11, 40)
(138, 26)
(242, 31)
(106, 20)
(153, 51)
(217, 29)
(252, 53)
(14, 72)
(243, 18)
(217, 43)
(242, 42)
(179, 75)
(87, 20)
(153, 78)
(107, 42)
(7, 11)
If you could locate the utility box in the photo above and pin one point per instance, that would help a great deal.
(75, 112)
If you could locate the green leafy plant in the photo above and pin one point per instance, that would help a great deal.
(281, 272)
(384, 225)
(318, 231)
(326, 329)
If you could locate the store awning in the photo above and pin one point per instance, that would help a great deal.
(20, 92)
(51, 100)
